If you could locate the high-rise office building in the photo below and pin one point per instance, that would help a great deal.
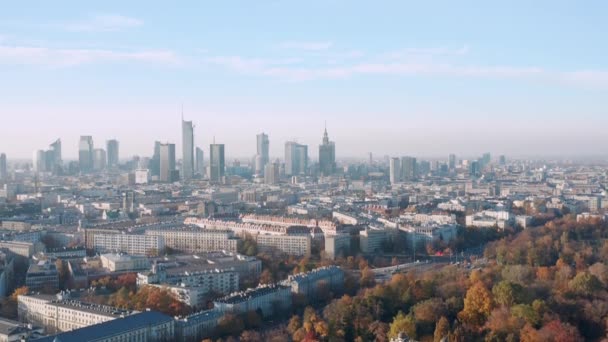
(296, 159)
(56, 155)
(216, 162)
(154, 164)
(408, 168)
(112, 149)
(200, 161)
(99, 159)
(271, 174)
(39, 161)
(485, 160)
(502, 160)
(452, 162)
(3, 167)
(475, 169)
(327, 156)
(263, 153)
(187, 150)
(167, 163)
(395, 170)
(85, 154)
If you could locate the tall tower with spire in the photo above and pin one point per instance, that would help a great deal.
(187, 148)
(327, 155)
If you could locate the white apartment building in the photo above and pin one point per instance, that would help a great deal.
(56, 314)
(194, 289)
(122, 262)
(197, 240)
(489, 219)
(299, 245)
(265, 298)
(129, 243)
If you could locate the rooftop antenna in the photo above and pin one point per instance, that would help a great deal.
(182, 112)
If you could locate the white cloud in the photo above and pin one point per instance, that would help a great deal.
(104, 23)
(43, 56)
(294, 72)
(308, 46)
(594, 78)
(427, 52)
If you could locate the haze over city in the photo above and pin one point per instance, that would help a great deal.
(424, 79)
(303, 171)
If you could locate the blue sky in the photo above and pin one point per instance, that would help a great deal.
(389, 77)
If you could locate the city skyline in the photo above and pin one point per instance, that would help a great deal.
(397, 86)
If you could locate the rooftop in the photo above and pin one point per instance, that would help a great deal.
(111, 328)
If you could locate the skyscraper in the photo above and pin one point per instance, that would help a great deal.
(452, 162)
(167, 162)
(327, 156)
(408, 168)
(112, 149)
(296, 159)
(3, 167)
(271, 173)
(200, 161)
(99, 159)
(85, 154)
(187, 149)
(216, 162)
(395, 170)
(263, 154)
(502, 160)
(39, 161)
(475, 169)
(485, 160)
(57, 161)
(154, 164)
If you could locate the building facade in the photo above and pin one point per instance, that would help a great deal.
(187, 150)
(113, 156)
(327, 156)
(129, 243)
(167, 163)
(217, 167)
(85, 154)
(196, 240)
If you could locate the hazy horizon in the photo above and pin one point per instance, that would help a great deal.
(398, 79)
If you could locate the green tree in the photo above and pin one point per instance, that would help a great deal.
(403, 324)
(585, 284)
(507, 293)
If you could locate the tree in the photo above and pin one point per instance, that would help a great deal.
(585, 284)
(442, 329)
(403, 324)
(368, 278)
(266, 277)
(477, 305)
(507, 293)
(294, 324)
(379, 330)
(250, 336)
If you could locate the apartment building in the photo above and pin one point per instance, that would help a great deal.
(57, 314)
(310, 283)
(298, 245)
(149, 326)
(197, 240)
(266, 298)
(134, 244)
